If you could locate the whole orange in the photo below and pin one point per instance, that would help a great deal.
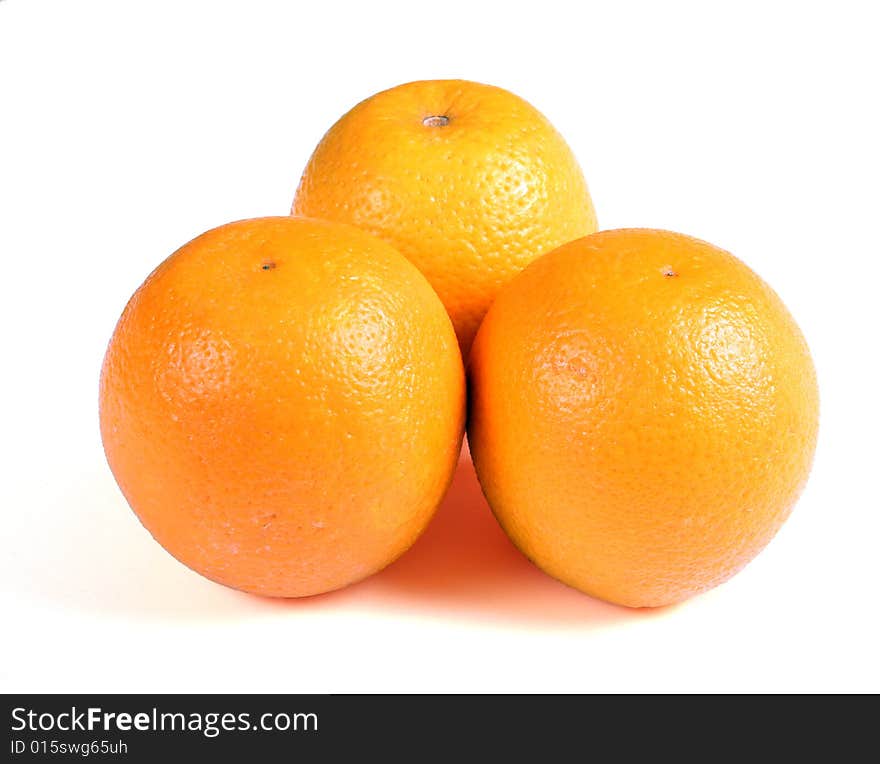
(643, 414)
(468, 181)
(282, 404)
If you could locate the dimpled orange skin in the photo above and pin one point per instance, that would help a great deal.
(643, 415)
(468, 181)
(282, 404)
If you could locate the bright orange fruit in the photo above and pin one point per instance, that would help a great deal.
(643, 414)
(468, 181)
(282, 404)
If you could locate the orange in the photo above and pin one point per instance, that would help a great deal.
(282, 404)
(643, 414)
(468, 181)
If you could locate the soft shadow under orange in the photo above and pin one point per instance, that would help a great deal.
(464, 564)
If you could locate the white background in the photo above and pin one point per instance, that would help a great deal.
(128, 128)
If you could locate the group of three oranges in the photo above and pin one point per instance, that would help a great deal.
(284, 398)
